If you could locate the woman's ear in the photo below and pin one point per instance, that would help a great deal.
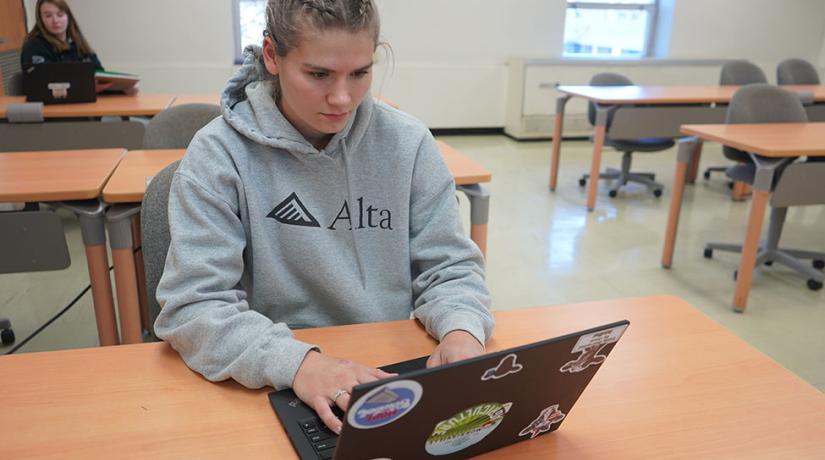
(269, 56)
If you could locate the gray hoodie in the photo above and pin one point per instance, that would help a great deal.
(270, 233)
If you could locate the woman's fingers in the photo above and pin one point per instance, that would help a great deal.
(322, 408)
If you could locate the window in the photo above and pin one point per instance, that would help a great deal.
(609, 29)
(250, 20)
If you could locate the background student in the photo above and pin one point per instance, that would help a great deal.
(56, 37)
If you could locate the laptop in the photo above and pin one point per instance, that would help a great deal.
(456, 410)
(60, 82)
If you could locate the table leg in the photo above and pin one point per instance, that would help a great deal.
(118, 221)
(761, 191)
(479, 213)
(140, 271)
(90, 215)
(596, 162)
(686, 151)
(557, 135)
(740, 191)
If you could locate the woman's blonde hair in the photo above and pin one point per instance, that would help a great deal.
(287, 20)
(72, 30)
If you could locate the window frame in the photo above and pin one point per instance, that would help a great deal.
(652, 9)
(236, 30)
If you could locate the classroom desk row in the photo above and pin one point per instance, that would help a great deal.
(654, 111)
(677, 385)
(88, 181)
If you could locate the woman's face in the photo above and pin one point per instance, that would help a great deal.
(54, 19)
(323, 80)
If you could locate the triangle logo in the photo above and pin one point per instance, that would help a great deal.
(292, 212)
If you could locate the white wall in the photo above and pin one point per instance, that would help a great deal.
(450, 56)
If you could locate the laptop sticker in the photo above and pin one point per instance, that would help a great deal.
(507, 366)
(384, 404)
(466, 428)
(543, 422)
(589, 346)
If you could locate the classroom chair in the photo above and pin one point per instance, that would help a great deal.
(30, 241)
(737, 73)
(174, 127)
(796, 72)
(795, 184)
(154, 227)
(626, 146)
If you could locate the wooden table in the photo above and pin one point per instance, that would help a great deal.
(71, 176)
(140, 104)
(677, 385)
(773, 141)
(127, 186)
(665, 109)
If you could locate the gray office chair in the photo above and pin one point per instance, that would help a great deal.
(30, 241)
(796, 72)
(797, 184)
(14, 84)
(737, 73)
(626, 146)
(174, 127)
(154, 226)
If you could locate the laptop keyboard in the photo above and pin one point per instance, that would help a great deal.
(322, 438)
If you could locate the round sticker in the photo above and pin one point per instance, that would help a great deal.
(384, 404)
(466, 428)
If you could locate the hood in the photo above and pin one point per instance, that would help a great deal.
(248, 106)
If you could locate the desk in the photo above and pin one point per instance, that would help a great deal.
(114, 105)
(73, 176)
(664, 110)
(128, 185)
(773, 141)
(677, 385)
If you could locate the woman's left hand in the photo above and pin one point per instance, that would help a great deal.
(455, 346)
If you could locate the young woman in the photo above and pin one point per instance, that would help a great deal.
(309, 204)
(56, 37)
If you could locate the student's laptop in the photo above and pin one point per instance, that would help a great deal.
(457, 410)
(60, 82)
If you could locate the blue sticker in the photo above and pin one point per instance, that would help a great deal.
(384, 404)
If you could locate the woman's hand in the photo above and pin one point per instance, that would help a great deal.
(455, 346)
(323, 381)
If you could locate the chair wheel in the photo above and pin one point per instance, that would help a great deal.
(612, 193)
(582, 182)
(814, 285)
(7, 335)
(818, 264)
(730, 185)
(769, 263)
(657, 193)
(708, 253)
(707, 174)
(735, 274)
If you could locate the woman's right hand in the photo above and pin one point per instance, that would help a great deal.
(323, 381)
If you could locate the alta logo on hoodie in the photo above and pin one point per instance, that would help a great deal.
(292, 211)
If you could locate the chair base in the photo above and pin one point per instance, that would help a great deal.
(6, 333)
(623, 176)
(770, 252)
(790, 258)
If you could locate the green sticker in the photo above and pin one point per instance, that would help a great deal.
(466, 428)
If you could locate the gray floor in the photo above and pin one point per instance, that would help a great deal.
(544, 248)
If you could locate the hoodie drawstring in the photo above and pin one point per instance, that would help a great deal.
(345, 156)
